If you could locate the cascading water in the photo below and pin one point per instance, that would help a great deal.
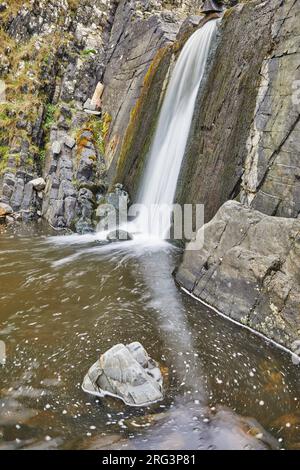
(159, 183)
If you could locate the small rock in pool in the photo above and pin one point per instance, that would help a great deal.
(127, 373)
(119, 235)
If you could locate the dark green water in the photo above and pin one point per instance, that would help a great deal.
(63, 304)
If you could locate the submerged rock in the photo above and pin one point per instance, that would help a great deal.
(127, 373)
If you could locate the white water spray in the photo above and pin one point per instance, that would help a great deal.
(159, 183)
(158, 188)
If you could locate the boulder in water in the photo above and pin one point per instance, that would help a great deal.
(127, 373)
(118, 235)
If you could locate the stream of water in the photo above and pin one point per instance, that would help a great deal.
(66, 300)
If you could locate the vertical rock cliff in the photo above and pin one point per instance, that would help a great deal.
(244, 145)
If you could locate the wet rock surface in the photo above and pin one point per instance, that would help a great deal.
(246, 265)
(112, 211)
(5, 209)
(61, 57)
(127, 373)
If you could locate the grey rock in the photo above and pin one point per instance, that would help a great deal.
(17, 197)
(118, 197)
(65, 168)
(191, 21)
(127, 373)
(58, 208)
(88, 135)
(66, 189)
(28, 215)
(5, 209)
(38, 184)
(270, 181)
(248, 269)
(86, 167)
(84, 226)
(109, 207)
(70, 142)
(56, 148)
(27, 197)
(119, 235)
(86, 203)
(9, 219)
(89, 106)
(9, 179)
(69, 213)
(63, 123)
(7, 191)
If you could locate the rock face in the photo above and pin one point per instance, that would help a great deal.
(61, 51)
(248, 268)
(271, 180)
(127, 373)
(112, 210)
(57, 51)
(139, 31)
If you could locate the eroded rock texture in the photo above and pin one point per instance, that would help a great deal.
(52, 56)
(247, 265)
(245, 145)
(245, 135)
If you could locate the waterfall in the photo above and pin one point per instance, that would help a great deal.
(165, 157)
